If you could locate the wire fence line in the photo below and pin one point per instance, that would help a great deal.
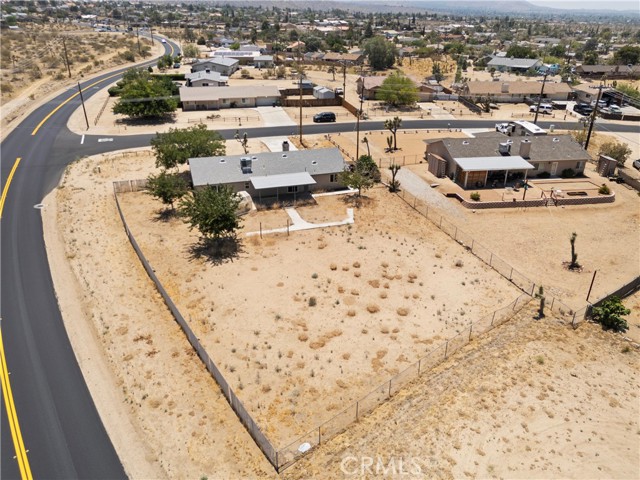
(290, 454)
(236, 405)
(466, 240)
(284, 457)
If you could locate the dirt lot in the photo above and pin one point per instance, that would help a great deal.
(531, 399)
(319, 317)
(536, 240)
(33, 67)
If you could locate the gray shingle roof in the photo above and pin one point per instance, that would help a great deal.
(548, 148)
(514, 62)
(204, 75)
(226, 169)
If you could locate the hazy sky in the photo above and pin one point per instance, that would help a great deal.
(590, 4)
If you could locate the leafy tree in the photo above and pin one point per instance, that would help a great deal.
(362, 176)
(201, 40)
(165, 61)
(627, 55)
(176, 146)
(167, 187)
(590, 58)
(312, 44)
(213, 211)
(557, 51)
(191, 51)
(381, 53)
(368, 30)
(618, 150)
(393, 125)
(332, 70)
(610, 314)
(519, 51)
(234, 46)
(574, 256)
(397, 90)
(628, 89)
(144, 96)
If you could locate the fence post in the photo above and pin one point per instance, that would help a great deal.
(552, 300)
(515, 303)
(470, 330)
(260, 229)
(389, 388)
(446, 347)
(472, 242)
(511, 274)
(440, 226)
(319, 436)
(490, 260)
(357, 409)
(287, 227)
(277, 466)
(533, 288)
(419, 361)
(455, 235)
(493, 318)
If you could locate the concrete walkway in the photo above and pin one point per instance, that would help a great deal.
(436, 112)
(420, 189)
(274, 144)
(298, 223)
(274, 116)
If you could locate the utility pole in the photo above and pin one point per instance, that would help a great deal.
(138, 35)
(344, 79)
(544, 80)
(86, 119)
(593, 114)
(358, 123)
(300, 86)
(66, 58)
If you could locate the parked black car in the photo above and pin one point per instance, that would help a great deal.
(324, 117)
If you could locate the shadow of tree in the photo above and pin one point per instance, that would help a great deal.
(217, 251)
(144, 121)
(165, 215)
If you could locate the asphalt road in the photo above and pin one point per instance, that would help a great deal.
(61, 428)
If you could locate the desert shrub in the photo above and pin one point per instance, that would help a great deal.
(475, 196)
(604, 190)
(312, 301)
(618, 150)
(568, 173)
(610, 314)
(372, 308)
(128, 56)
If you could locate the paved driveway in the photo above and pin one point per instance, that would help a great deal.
(274, 116)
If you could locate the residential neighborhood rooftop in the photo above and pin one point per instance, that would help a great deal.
(208, 93)
(227, 169)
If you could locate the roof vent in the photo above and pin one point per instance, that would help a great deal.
(222, 160)
(314, 162)
(284, 155)
(556, 139)
(504, 148)
(465, 142)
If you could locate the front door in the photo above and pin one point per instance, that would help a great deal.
(554, 168)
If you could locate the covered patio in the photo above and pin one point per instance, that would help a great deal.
(481, 172)
(285, 187)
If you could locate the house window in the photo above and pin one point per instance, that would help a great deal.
(293, 189)
(579, 166)
(205, 84)
(244, 100)
(333, 178)
(247, 185)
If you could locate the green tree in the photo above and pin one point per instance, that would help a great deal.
(397, 90)
(436, 71)
(362, 176)
(213, 211)
(190, 50)
(176, 146)
(617, 150)
(201, 40)
(519, 51)
(368, 30)
(393, 124)
(144, 96)
(167, 187)
(590, 58)
(234, 46)
(627, 55)
(610, 314)
(628, 89)
(381, 54)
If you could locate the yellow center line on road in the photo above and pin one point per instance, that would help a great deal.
(35, 130)
(14, 426)
(5, 190)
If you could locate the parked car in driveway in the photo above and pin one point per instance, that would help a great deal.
(636, 164)
(324, 117)
(544, 108)
(615, 109)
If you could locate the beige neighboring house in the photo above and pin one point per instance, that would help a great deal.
(207, 98)
(206, 78)
(224, 66)
(368, 86)
(494, 159)
(343, 57)
(515, 92)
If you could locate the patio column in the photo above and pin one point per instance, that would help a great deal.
(486, 177)
(466, 176)
(525, 175)
(506, 172)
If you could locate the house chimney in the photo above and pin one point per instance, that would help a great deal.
(525, 148)
(505, 88)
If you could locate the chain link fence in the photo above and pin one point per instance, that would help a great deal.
(466, 240)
